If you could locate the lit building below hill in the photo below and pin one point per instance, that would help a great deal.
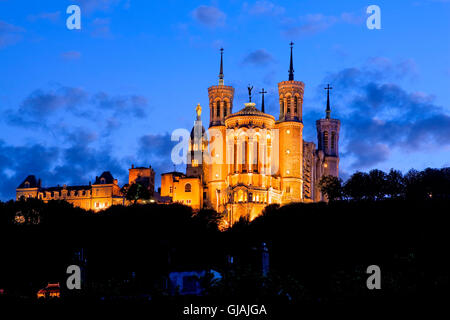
(102, 194)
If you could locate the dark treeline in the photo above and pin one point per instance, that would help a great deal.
(376, 185)
(318, 252)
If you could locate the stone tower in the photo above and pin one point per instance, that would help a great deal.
(215, 172)
(197, 146)
(290, 133)
(328, 139)
(220, 99)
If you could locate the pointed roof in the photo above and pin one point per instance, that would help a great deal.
(29, 182)
(328, 110)
(109, 179)
(291, 66)
(221, 67)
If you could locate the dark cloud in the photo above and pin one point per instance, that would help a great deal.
(379, 115)
(9, 34)
(133, 105)
(41, 104)
(209, 16)
(40, 108)
(76, 164)
(260, 58)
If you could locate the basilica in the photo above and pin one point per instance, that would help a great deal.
(248, 159)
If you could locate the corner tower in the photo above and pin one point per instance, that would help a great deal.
(215, 172)
(220, 99)
(328, 139)
(290, 132)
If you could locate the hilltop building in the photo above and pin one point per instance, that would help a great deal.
(248, 159)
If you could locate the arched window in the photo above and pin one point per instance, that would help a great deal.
(224, 108)
(27, 184)
(102, 180)
(325, 140)
(235, 155)
(333, 138)
(295, 105)
(289, 106)
(187, 187)
(218, 109)
(281, 106)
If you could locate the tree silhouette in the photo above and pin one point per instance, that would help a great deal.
(331, 187)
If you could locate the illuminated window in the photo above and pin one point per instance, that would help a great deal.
(288, 151)
(288, 172)
(287, 131)
(187, 187)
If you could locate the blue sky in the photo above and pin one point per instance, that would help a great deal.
(74, 103)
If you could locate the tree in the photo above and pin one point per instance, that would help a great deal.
(377, 184)
(395, 184)
(356, 186)
(136, 192)
(331, 187)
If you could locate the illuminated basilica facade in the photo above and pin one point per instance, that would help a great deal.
(249, 159)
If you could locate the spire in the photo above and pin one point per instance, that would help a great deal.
(262, 102)
(328, 111)
(221, 68)
(291, 66)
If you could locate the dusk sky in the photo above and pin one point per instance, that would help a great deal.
(75, 103)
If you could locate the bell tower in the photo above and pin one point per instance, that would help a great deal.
(215, 172)
(328, 139)
(290, 133)
(220, 99)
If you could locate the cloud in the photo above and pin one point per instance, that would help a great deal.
(311, 24)
(90, 6)
(71, 55)
(260, 58)
(78, 163)
(379, 115)
(9, 34)
(49, 16)
(101, 28)
(264, 8)
(209, 16)
(132, 104)
(40, 108)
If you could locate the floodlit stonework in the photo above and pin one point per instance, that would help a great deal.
(248, 159)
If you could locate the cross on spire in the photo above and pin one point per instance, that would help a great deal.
(328, 111)
(291, 66)
(262, 102)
